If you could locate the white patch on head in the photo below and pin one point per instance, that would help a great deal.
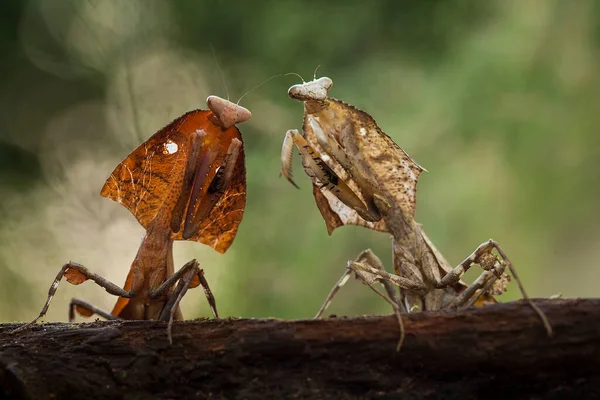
(363, 131)
(170, 147)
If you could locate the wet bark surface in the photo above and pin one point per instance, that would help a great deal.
(499, 351)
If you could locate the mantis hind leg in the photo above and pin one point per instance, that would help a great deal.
(494, 268)
(76, 274)
(87, 310)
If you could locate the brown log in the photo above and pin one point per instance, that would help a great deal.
(498, 351)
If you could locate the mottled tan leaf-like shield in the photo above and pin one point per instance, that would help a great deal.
(352, 145)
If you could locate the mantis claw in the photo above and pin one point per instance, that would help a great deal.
(287, 151)
(317, 168)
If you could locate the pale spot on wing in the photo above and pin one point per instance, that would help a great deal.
(170, 147)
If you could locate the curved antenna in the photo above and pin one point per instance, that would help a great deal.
(257, 86)
(315, 74)
(298, 75)
(214, 53)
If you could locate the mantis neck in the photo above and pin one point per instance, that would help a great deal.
(408, 243)
(412, 245)
(314, 106)
(154, 260)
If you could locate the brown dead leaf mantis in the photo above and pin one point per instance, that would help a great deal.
(361, 176)
(186, 182)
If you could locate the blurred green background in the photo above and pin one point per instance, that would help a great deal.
(498, 99)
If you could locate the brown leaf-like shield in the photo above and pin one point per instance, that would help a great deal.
(377, 162)
(192, 168)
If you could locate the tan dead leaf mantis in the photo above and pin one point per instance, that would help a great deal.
(186, 182)
(361, 176)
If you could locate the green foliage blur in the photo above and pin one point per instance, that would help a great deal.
(498, 99)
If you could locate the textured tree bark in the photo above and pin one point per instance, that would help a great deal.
(499, 351)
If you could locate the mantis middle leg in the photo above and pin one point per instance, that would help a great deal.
(362, 267)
